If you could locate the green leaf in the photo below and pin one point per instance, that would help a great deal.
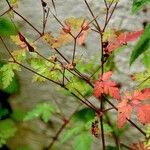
(143, 78)
(18, 115)
(19, 55)
(142, 45)
(45, 68)
(84, 115)
(107, 128)
(71, 133)
(43, 110)
(7, 130)
(109, 147)
(80, 85)
(3, 112)
(6, 27)
(146, 59)
(7, 77)
(138, 4)
(83, 142)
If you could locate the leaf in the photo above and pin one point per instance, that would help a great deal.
(106, 86)
(146, 60)
(43, 110)
(13, 86)
(71, 133)
(7, 74)
(84, 115)
(3, 113)
(131, 101)
(142, 45)
(143, 113)
(124, 113)
(112, 1)
(83, 142)
(45, 68)
(14, 3)
(6, 27)
(7, 130)
(140, 145)
(19, 55)
(71, 25)
(138, 4)
(18, 115)
(80, 85)
(140, 77)
(122, 40)
(111, 148)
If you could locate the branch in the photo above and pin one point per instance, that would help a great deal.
(66, 121)
(90, 10)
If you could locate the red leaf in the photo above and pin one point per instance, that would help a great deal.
(134, 35)
(106, 86)
(114, 92)
(145, 94)
(124, 113)
(98, 89)
(143, 113)
(132, 101)
(122, 39)
(81, 38)
(139, 146)
(106, 76)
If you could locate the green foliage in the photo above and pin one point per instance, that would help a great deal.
(83, 142)
(146, 59)
(80, 85)
(13, 2)
(70, 133)
(18, 115)
(3, 112)
(110, 1)
(7, 130)
(111, 148)
(84, 115)
(45, 68)
(6, 27)
(110, 64)
(143, 78)
(138, 4)
(43, 110)
(87, 67)
(7, 77)
(142, 45)
(19, 55)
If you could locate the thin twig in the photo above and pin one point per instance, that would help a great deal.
(61, 129)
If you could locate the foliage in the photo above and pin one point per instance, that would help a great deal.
(106, 86)
(7, 27)
(138, 4)
(142, 45)
(143, 78)
(7, 74)
(8, 130)
(80, 144)
(88, 80)
(44, 110)
(134, 100)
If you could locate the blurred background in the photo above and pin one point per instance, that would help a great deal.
(23, 94)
